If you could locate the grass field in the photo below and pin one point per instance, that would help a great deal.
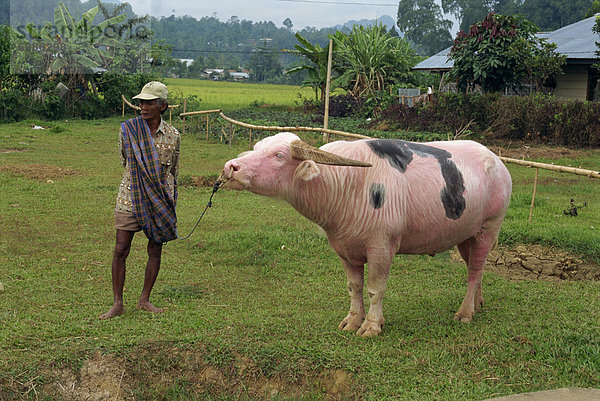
(253, 299)
(237, 95)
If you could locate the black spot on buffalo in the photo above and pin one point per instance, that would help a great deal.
(399, 155)
(377, 195)
(396, 152)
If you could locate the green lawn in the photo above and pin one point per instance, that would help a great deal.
(253, 299)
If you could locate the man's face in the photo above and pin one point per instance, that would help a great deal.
(150, 109)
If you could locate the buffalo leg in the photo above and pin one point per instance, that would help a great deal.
(474, 251)
(356, 315)
(378, 271)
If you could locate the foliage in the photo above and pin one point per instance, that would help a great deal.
(264, 64)
(316, 60)
(546, 120)
(543, 63)
(423, 24)
(68, 46)
(535, 119)
(546, 14)
(499, 52)
(4, 55)
(372, 60)
(366, 63)
(594, 9)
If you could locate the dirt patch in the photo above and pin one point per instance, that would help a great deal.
(12, 150)
(153, 371)
(101, 378)
(40, 172)
(535, 262)
(537, 152)
(208, 181)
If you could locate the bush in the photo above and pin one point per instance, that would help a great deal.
(536, 118)
(111, 86)
(12, 106)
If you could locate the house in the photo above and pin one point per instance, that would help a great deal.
(239, 76)
(577, 41)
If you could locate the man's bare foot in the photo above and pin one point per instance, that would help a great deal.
(116, 310)
(147, 306)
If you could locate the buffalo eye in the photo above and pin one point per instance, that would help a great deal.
(279, 155)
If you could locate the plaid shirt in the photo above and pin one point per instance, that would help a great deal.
(149, 185)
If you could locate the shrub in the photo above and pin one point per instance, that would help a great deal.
(536, 118)
(12, 106)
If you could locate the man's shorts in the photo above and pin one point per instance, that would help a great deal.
(126, 222)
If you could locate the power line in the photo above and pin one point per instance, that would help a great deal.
(341, 2)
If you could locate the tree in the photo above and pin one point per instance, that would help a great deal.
(543, 62)
(468, 11)
(594, 9)
(264, 64)
(288, 23)
(422, 23)
(495, 52)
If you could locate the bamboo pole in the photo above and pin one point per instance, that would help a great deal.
(535, 182)
(207, 124)
(562, 169)
(129, 104)
(293, 129)
(184, 109)
(327, 89)
(192, 113)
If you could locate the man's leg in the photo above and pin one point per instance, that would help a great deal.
(122, 247)
(152, 268)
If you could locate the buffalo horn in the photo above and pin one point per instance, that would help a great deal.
(304, 151)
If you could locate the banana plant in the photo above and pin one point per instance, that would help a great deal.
(316, 58)
(83, 44)
(372, 60)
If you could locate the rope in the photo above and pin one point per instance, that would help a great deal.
(217, 185)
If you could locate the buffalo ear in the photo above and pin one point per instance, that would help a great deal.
(307, 170)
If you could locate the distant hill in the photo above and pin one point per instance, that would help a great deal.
(384, 20)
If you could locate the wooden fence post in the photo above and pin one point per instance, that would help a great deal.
(184, 107)
(535, 181)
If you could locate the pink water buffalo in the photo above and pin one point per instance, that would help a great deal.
(375, 198)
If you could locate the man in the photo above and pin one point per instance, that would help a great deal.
(149, 151)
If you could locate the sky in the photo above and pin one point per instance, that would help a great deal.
(303, 13)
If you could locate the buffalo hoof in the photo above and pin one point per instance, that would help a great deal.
(370, 328)
(351, 322)
(463, 318)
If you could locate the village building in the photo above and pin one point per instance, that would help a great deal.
(577, 41)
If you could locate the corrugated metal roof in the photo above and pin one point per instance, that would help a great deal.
(438, 61)
(576, 41)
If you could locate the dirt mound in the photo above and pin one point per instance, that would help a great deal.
(156, 368)
(101, 378)
(40, 172)
(535, 262)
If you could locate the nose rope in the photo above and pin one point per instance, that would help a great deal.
(218, 184)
